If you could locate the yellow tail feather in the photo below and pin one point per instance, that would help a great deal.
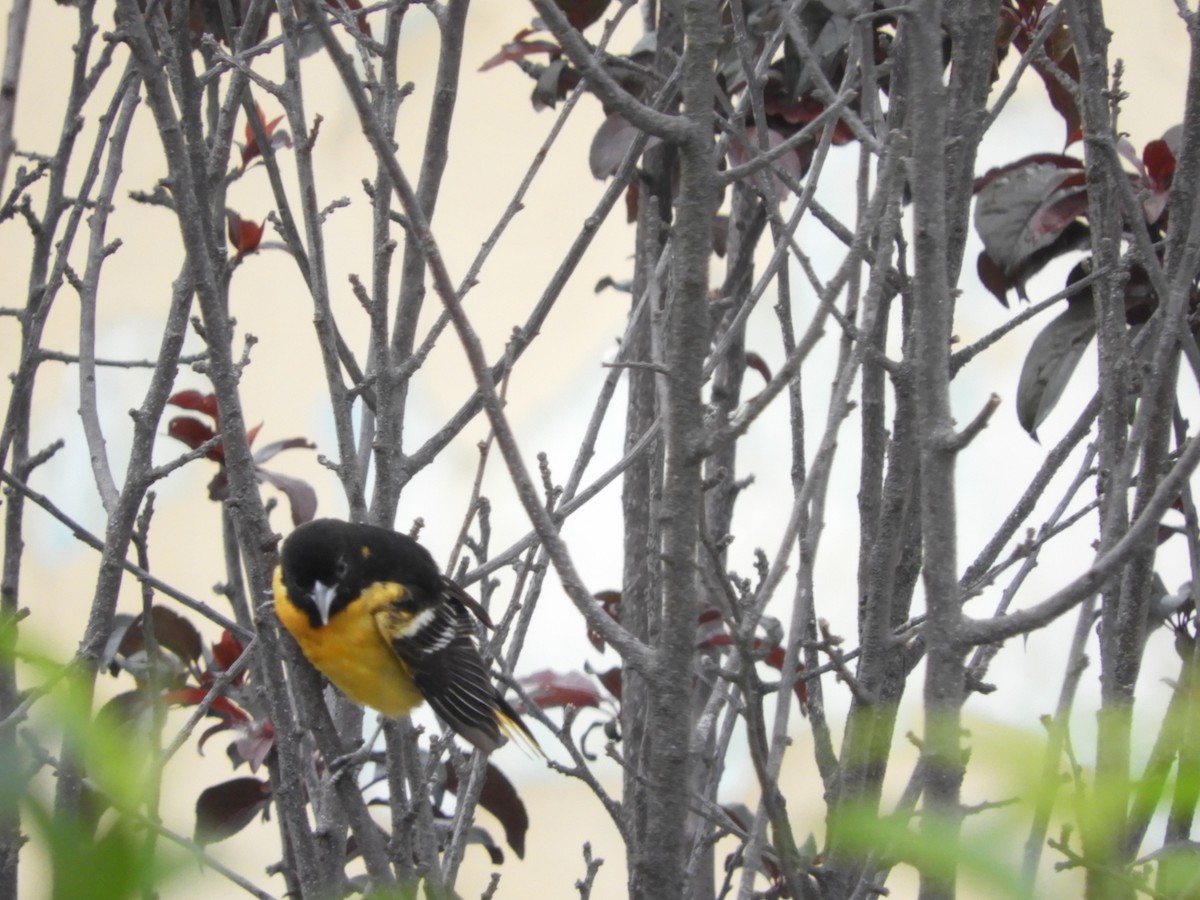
(520, 735)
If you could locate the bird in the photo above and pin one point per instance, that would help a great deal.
(371, 611)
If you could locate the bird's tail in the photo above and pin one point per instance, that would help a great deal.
(516, 730)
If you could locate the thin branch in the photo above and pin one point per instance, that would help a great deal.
(18, 22)
(592, 864)
(966, 354)
(125, 100)
(962, 439)
(626, 172)
(82, 534)
(632, 650)
(101, 362)
(986, 631)
(196, 850)
(644, 118)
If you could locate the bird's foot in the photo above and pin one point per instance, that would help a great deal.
(349, 763)
(363, 753)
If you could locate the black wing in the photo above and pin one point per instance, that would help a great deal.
(448, 671)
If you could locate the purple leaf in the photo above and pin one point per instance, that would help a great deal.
(225, 809)
(263, 454)
(172, 632)
(301, 496)
(792, 163)
(548, 689)
(1052, 359)
(501, 799)
(1023, 207)
(609, 145)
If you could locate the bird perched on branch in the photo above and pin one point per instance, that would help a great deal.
(372, 611)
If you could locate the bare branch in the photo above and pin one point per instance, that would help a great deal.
(634, 653)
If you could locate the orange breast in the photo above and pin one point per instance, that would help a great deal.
(351, 653)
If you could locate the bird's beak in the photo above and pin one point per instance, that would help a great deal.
(323, 596)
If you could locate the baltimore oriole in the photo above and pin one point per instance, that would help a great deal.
(372, 611)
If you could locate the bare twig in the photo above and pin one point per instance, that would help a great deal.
(634, 653)
(82, 534)
(592, 864)
(18, 22)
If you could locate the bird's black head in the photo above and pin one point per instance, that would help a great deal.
(317, 570)
(328, 563)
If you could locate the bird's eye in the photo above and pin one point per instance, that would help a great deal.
(342, 569)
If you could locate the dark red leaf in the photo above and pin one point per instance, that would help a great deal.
(609, 145)
(1050, 220)
(501, 799)
(1053, 160)
(518, 48)
(244, 234)
(795, 164)
(263, 454)
(1020, 26)
(993, 277)
(218, 488)
(225, 809)
(250, 149)
(258, 737)
(758, 364)
(744, 819)
(188, 696)
(1051, 360)
(611, 681)
(205, 17)
(610, 602)
(196, 402)
(360, 21)
(1012, 211)
(1140, 299)
(740, 814)
(480, 836)
(172, 632)
(548, 689)
(221, 707)
(227, 709)
(710, 630)
(775, 659)
(473, 835)
(1160, 162)
(582, 13)
(276, 139)
(194, 433)
(787, 115)
(209, 732)
(1027, 213)
(300, 494)
(226, 652)
(253, 433)
(557, 80)
(1158, 170)
(1061, 97)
